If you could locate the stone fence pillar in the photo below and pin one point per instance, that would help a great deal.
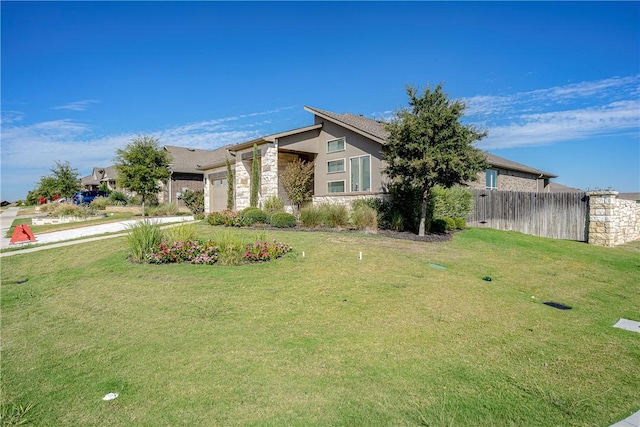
(612, 221)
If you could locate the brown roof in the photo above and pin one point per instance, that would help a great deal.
(555, 187)
(188, 160)
(629, 196)
(501, 162)
(372, 128)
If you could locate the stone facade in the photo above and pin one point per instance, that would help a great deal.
(346, 200)
(508, 181)
(269, 173)
(612, 221)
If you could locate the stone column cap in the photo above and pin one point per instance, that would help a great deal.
(602, 193)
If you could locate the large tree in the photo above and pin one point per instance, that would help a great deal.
(66, 180)
(142, 166)
(428, 145)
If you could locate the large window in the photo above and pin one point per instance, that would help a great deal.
(335, 166)
(335, 145)
(335, 187)
(361, 173)
(491, 179)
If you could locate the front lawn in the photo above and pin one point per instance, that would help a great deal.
(326, 338)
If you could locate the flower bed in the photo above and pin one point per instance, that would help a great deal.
(208, 253)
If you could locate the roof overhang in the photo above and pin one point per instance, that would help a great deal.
(344, 125)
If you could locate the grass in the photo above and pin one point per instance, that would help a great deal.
(326, 339)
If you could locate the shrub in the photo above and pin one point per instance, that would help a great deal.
(310, 216)
(283, 220)
(254, 216)
(265, 251)
(334, 215)
(438, 226)
(143, 238)
(100, 203)
(371, 202)
(461, 224)
(180, 233)
(273, 204)
(194, 200)
(216, 218)
(454, 202)
(450, 223)
(66, 209)
(151, 200)
(364, 217)
(118, 199)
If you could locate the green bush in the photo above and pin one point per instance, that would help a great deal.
(283, 220)
(371, 202)
(151, 200)
(66, 209)
(230, 249)
(450, 223)
(143, 239)
(438, 226)
(310, 216)
(216, 218)
(461, 224)
(334, 215)
(273, 204)
(194, 200)
(118, 199)
(100, 203)
(364, 217)
(454, 202)
(254, 216)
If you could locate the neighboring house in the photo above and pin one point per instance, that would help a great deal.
(346, 149)
(98, 177)
(185, 174)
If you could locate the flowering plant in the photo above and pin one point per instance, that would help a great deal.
(265, 251)
(190, 251)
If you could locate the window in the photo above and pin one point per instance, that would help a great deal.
(219, 182)
(335, 187)
(492, 179)
(335, 145)
(335, 166)
(361, 173)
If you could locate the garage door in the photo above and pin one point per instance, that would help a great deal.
(219, 194)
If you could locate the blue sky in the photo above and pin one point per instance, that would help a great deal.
(557, 85)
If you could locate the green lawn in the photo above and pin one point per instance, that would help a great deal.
(326, 339)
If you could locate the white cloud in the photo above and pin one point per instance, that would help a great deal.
(29, 150)
(77, 105)
(561, 113)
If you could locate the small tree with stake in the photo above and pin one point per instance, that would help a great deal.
(297, 180)
(142, 165)
(427, 145)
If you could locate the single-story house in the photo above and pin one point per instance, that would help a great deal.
(346, 149)
(185, 174)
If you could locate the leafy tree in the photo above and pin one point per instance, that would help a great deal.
(194, 200)
(142, 165)
(428, 145)
(47, 187)
(66, 180)
(297, 180)
(255, 178)
(230, 184)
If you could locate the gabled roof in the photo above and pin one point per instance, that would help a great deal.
(555, 187)
(367, 127)
(110, 173)
(189, 160)
(501, 162)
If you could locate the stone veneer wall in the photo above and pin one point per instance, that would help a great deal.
(612, 221)
(508, 181)
(346, 199)
(269, 177)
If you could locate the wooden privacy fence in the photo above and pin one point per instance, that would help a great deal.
(554, 215)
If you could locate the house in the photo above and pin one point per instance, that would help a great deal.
(185, 174)
(98, 177)
(346, 149)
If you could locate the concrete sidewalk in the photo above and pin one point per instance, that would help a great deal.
(8, 217)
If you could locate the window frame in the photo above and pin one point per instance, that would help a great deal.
(344, 185)
(344, 144)
(493, 173)
(344, 165)
(359, 173)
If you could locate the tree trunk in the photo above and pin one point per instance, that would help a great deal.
(143, 207)
(423, 212)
